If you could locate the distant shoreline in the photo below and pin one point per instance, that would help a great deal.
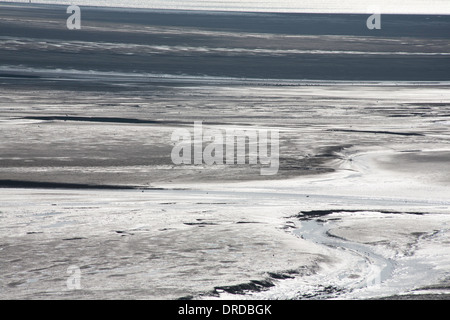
(199, 6)
(298, 47)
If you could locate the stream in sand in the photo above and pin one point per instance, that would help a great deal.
(378, 268)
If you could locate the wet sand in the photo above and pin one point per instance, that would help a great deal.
(86, 177)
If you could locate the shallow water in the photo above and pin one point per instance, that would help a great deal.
(329, 6)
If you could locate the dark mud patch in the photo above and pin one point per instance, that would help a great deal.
(252, 286)
(22, 184)
(268, 282)
(379, 132)
(240, 289)
(322, 292)
(314, 214)
(200, 224)
(124, 233)
(16, 283)
(208, 203)
(332, 151)
(101, 119)
(281, 275)
(19, 76)
(246, 222)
